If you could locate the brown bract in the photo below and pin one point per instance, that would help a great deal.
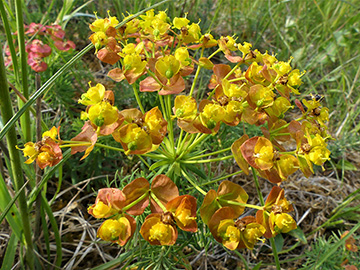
(135, 190)
(88, 134)
(227, 191)
(165, 190)
(181, 206)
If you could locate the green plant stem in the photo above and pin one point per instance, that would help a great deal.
(196, 75)
(153, 196)
(214, 53)
(25, 119)
(194, 144)
(18, 180)
(206, 160)
(262, 202)
(241, 204)
(211, 154)
(170, 123)
(146, 194)
(192, 183)
(136, 94)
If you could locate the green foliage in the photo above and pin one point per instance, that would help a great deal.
(322, 246)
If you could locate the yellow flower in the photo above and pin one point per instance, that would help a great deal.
(185, 107)
(264, 153)
(103, 114)
(180, 22)
(182, 55)
(101, 210)
(245, 48)
(31, 150)
(229, 234)
(113, 229)
(212, 114)
(133, 62)
(101, 25)
(93, 96)
(283, 222)
(282, 68)
(294, 78)
(52, 133)
(252, 234)
(233, 90)
(168, 66)
(161, 232)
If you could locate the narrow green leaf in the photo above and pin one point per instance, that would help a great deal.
(195, 170)
(279, 242)
(257, 267)
(158, 164)
(55, 230)
(6, 205)
(298, 234)
(9, 257)
(116, 262)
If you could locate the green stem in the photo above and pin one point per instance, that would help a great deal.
(196, 75)
(153, 196)
(212, 153)
(262, 202)
(217, 179)
(257, 185)
(242, 204)
(237, 79)
(138, 99)
(146, 194)
(170, 123)
(144, 161)
(196, 142)
(206, 160)
(214, 53)
(25, 119)
(192, 183)
(17, 173)
(163, 108)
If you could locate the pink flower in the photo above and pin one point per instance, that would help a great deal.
(36, 63)
(55, 31)
(38, 47)
(64, 45)
(35, 28)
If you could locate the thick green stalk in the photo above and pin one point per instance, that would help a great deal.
(136, 94)
(170, 126)
(196, 75)
(262, 202)
(203, 192)
(25, 119)
(18, 180)
(211, 154)
(197, 161)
